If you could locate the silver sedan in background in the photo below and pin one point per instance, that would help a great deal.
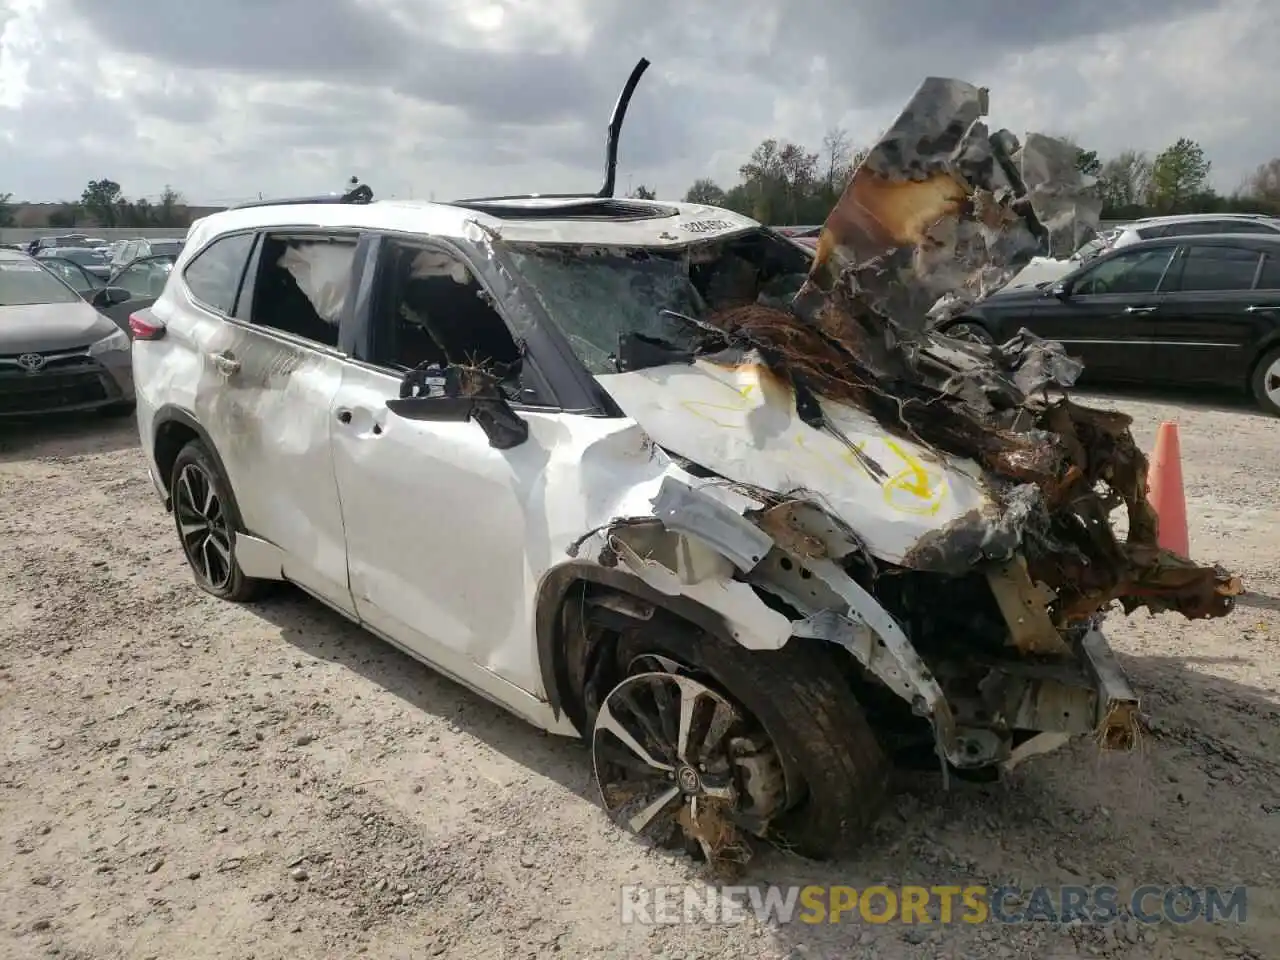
(57, 352)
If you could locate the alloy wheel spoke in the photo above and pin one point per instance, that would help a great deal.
(645, 816)
(688, 702)
(605, 720)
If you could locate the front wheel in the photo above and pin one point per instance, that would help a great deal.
(1265, 384)
(208, 520)
(701, 743)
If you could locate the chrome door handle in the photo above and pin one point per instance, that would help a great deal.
(1139, 309)
(1261, 309)
(225, 363)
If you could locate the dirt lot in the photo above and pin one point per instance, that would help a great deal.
(186, 778)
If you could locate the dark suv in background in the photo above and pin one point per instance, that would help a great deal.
(1175, 311)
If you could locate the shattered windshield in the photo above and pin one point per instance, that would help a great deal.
(595, 297)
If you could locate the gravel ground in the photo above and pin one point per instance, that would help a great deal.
(183, 777)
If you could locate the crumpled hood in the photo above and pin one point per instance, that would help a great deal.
(740, 421)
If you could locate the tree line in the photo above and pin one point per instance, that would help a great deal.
(786, 183)
(103, 204)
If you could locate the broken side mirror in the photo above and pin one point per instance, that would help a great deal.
(456, 394)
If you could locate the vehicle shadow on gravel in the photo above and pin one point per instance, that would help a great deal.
(1196, 803)
(319, 632)
(66, 435)
(1222, 401)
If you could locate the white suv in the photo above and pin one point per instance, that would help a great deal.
(1176, 225)
(476, 430)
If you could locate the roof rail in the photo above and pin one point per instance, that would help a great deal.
(357, 193)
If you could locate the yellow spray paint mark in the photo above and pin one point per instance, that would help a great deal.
(915, 482)
(715, 411)
(913, 489)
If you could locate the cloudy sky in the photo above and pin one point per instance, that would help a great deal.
(451, 98)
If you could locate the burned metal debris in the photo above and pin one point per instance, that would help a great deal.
(940, 214)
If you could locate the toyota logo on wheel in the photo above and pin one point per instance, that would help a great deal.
(31, 361)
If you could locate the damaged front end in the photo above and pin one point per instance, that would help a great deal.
(939, 509)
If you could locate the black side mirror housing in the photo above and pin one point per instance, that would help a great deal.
(457, 394)
(1061, 290)
(110, 296)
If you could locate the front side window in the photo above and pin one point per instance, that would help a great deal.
(1218, 268)
(1137, 271)
(24, 283)
(431, 309)
(214, 275)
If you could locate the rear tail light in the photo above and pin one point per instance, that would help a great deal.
(145, 328)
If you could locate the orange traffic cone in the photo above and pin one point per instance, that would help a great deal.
(1164, 490)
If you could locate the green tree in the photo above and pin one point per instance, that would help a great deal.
(1179, 173)
(705, 190)
(171, 211)
(1087, 162)
(1123, 184)
(1263, 186)
(7, 218)
(68, 215)
(102, 200)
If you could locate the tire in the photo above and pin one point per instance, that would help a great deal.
(825, 743)
(1267, 372)
(195, 464)
(968, 329)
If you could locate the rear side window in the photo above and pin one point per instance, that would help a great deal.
(1208, 269)
(1270, 278)
(1248, 226)
(303, 283)
(214, 275)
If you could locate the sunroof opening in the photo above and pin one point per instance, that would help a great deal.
(587, 208)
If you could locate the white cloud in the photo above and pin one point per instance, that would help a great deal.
(458, 97)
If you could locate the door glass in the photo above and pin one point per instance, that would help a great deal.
(1134, 272)
(302, 286)
(79, 278)
(1270, 279)
(213, 277)
(432, 309)
(144, 278)
(1250, 226)
(1218, 268)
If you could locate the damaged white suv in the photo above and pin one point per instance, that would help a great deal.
(505, 436)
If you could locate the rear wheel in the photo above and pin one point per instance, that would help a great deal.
(208, 520)
(703, 744)
(1265, 385)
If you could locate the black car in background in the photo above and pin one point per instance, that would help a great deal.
(1198, 310)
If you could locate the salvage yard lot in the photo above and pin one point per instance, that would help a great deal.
(183, 777)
